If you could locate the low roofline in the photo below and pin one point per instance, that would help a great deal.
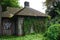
(29, 15)
(21, 9)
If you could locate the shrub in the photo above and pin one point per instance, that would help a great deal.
(53, 32)
(53, 21)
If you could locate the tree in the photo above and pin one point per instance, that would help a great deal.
(52, 5)
(10, 3)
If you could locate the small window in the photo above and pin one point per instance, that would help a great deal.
(6, 25)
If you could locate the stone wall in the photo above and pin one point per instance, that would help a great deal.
(20, 25)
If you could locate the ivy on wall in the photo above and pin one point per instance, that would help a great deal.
(39, 24)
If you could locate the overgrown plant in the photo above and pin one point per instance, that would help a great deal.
(36, 23)
(53, 32)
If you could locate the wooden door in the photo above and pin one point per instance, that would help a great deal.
(7, 27)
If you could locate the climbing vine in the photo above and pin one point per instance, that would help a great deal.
(39, 24)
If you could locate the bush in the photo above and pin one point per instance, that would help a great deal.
(53, 21)
(53, 32)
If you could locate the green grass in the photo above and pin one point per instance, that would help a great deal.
(26, 37)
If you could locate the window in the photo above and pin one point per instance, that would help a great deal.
(6, 25)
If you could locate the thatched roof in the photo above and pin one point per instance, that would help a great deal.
(10, 12)
(22, 12)
(27, 11)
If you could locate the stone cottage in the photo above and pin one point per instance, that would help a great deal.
(12, 20)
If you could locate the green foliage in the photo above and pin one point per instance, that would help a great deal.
(53, 8)
(48, 2)
(10, 3)
(53, 25)
(58, 11)
(53, 21)
(53, 32)
(26, 37)
(37, 24)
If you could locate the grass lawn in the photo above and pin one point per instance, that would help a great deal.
(26, 37)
